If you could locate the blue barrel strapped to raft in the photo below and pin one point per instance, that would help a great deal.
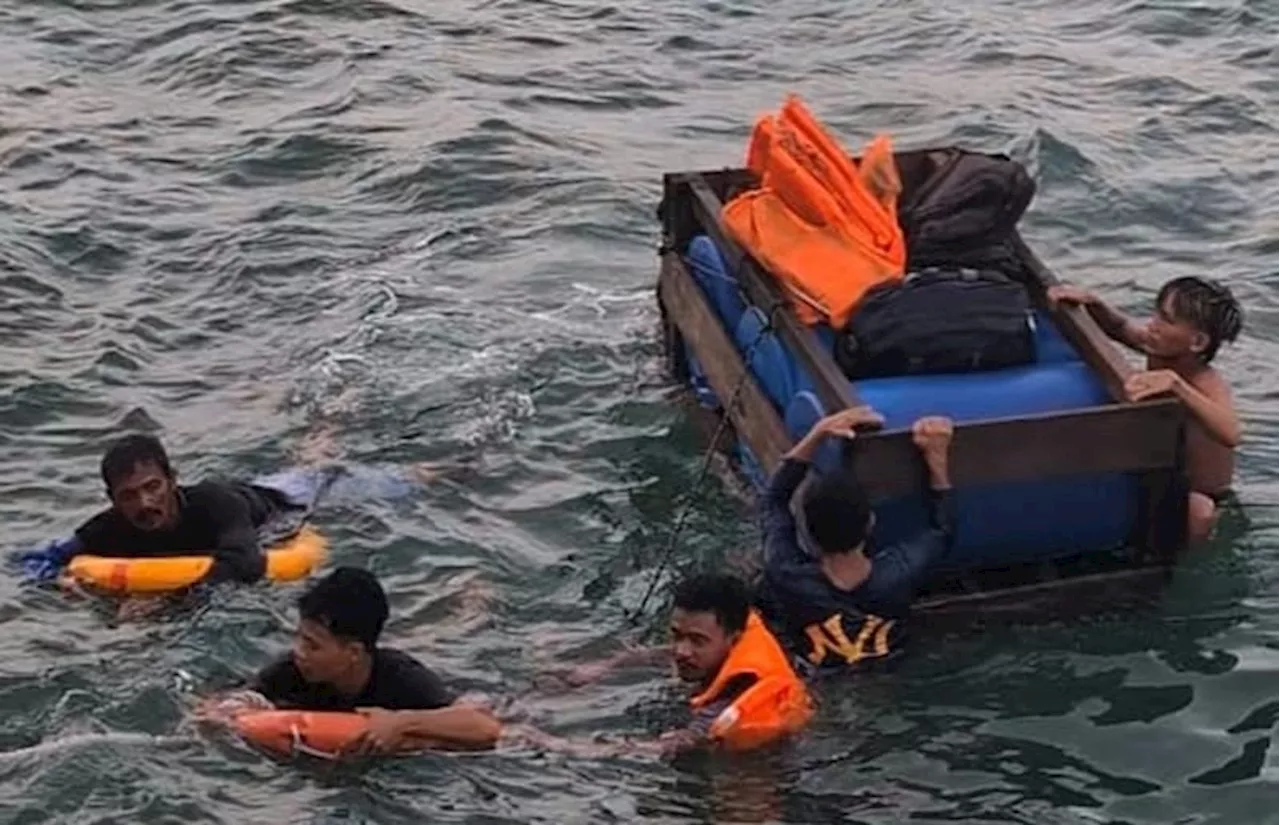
(998, 524)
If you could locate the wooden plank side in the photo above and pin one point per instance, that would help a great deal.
(1064, 598)
(753, 416)
(1129, 438)
(1079, 328)
(831, 384)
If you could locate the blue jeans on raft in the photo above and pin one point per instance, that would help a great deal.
(308, 487)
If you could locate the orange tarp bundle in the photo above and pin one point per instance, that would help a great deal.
(825, 227)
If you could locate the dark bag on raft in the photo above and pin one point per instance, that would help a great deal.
(964, 209)
(938, 320)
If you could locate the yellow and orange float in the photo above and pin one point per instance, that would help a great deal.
(290, 560)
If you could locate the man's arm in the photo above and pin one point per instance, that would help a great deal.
(1208, 400)
(779, 524)
(268, 687)
(420, 710)
(237, 552)
(700, 734)
(459, 726)
(695, 736)
(44, 564)
(1116, 325)
(630, 656)
(899, 570)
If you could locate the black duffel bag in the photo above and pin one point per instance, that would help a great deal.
(938, 320)
(964, 210)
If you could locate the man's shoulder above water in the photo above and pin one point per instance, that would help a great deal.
(397, 681)
(204, 509)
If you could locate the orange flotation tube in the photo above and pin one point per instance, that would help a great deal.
(317, 733)
(293, 559)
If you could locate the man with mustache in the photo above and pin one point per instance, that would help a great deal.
(152, 515)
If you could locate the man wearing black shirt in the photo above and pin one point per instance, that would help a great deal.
(843, 603)
(152, 515)
(337, 664)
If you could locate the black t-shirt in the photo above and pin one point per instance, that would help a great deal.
(215, 518)
(396, 682)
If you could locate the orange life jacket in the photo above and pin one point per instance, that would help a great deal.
(826, 227)
(776, 705)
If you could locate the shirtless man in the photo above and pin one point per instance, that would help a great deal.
(1194, 317)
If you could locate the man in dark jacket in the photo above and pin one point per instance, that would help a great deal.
(838, 601)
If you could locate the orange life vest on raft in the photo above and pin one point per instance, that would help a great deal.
(826, 228)
(776, 705)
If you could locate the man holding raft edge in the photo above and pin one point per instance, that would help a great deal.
(336, 664)
(840, 603)
(1193, 318)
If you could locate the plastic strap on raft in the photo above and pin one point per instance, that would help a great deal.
(299, 746)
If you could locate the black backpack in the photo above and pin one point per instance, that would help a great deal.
(938, 321)
(964, 209)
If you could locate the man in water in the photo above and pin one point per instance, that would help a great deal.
(1193, 318)
(336, 664)
(152, 515)
(838, 602)
(745, 693)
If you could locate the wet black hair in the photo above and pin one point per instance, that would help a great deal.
(350, 603)
(724, 595)
(128, 453)
(837, 514)
(1208, 306)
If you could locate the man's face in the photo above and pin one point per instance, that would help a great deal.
(321, 657)
(1171, 337)
(700, 644)
(147, 497)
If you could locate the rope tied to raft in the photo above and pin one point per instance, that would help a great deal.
(665, 558)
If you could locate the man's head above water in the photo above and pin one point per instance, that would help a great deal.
(140, 482)
(709, 615)
(340, 620)
(838, 516)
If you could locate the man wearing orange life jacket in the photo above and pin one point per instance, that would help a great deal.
(745, 692)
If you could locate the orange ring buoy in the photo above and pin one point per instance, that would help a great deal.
(317, 733)
(293, 559)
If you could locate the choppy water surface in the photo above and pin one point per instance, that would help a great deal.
(432, 222)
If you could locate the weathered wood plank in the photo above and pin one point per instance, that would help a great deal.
(831, 384)
(1079, 328)
(1128, 438)
(1086, 594)
(753, 416)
